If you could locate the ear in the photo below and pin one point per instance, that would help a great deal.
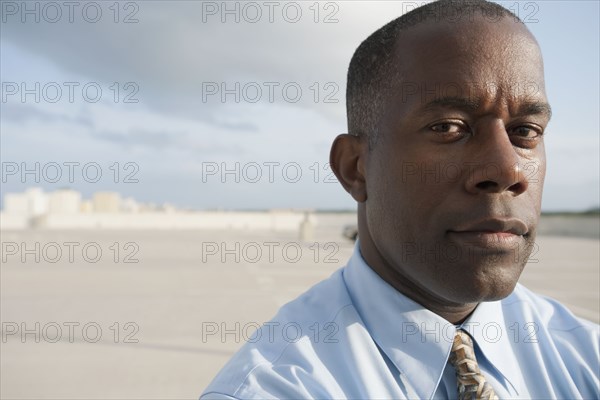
(347, 160)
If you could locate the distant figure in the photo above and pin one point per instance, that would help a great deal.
(446, 111)
(307, 229)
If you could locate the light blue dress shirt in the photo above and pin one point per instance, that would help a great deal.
(354, 336)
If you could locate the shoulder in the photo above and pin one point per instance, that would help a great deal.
(563, 347)
(547, 311)
(282, 358)
(554, 326)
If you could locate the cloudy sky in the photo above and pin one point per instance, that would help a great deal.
(235, 105)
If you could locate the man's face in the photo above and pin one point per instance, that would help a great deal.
(454, 182)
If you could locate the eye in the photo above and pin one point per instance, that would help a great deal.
(527, 132)
(450, 129)
(446, 127)
(526, 136)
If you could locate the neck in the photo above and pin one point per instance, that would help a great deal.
(455, 313)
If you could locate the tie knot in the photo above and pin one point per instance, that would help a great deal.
(463, 352)
(471, 383)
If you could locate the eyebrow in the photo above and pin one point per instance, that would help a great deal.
(460, 103)
(536, 107)
(472, 105)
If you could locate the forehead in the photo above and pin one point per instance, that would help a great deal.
(489, 60)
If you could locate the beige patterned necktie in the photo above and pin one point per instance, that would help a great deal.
(471, 382)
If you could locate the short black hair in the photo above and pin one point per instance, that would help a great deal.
(371, 67)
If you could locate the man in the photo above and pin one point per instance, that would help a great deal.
(445, 158)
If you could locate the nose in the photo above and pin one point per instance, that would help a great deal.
(496, 167)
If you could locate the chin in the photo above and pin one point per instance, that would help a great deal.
(491, 288)
(497, 293)
(484, 282)
(480, 295)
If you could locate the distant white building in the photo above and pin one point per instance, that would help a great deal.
(31, 203)
(107, 202)
(87, 207)
(168, 208)
(65, 209)
(129, 205)
(65, 201)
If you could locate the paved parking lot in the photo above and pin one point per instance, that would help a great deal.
(161, 327)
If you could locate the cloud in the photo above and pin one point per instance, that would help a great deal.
(170, 52)
(175, 50)
(20, 113)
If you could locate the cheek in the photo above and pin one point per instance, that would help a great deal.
(542, 173)
(406, 201)
(429, 184)
(411, 182)
(388, 204)
(535, 178)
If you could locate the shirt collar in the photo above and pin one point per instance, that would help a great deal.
(408, 333)
(403, 329)
(492, 332)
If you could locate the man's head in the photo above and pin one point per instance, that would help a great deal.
(374, 66)
(446, 108)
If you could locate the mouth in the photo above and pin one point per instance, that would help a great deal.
(491, 234)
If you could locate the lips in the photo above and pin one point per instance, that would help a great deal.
(512, 226)
(491, 234)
